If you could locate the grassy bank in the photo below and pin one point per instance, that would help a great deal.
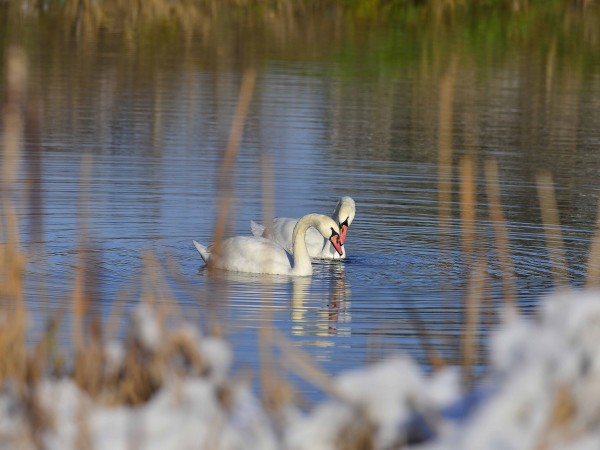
(396, 33)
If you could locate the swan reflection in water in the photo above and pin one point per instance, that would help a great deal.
(323, 320)
(318, 307)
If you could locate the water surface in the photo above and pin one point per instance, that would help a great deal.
(155, 128)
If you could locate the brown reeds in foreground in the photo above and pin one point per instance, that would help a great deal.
(275, 390)
(130, 380)
(12, 260)
(18, 366)
(477, 268)
(226, 171)
(471, 322)
(146, 365)
(593, 263)
(146, 362)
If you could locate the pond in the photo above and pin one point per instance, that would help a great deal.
(132, 137)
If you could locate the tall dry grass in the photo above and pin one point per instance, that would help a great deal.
(227, 170)
(12, 260)
(130, 380)
(593, 263)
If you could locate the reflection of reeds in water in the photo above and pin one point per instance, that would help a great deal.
(552, 231)
(494, 203)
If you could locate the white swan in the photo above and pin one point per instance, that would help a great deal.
(260, 255)
(281, 231)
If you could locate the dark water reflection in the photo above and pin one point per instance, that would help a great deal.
(156, 133)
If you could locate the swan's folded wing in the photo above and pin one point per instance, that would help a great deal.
(253, 254)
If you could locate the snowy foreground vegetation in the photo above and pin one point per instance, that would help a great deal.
(542, 392)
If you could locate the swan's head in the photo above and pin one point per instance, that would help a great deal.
(344, 214)
(330, 230)
(336, 241)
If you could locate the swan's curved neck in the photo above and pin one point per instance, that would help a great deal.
(302, 264)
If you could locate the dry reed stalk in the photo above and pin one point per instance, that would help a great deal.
(500, 235)
(477, 268)
(12, 308)
(83, 438)
(550, 69)
(552, 231)
(593, 263)
(202, 295)
(270, 379)
(471, 322)
(361, 433)
(467, 207)
(156, 287)
(84, 17)
(35, 193)
(46, 350)
(116, 314)
(304, 366)
(445, 153)
(434, 357)
(226, 172)
(268, 188)
(563, 410)
(87, 328)
(471, 115)
(80, 302)
(12, 259)
(16, 80)
(16, 364)
(445, 166)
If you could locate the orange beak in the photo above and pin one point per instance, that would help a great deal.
(343, 231)
(336, 242)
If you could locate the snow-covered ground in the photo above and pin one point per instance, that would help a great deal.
(542, 392)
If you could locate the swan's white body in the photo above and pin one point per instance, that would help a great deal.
(256, 254)
(281, 231)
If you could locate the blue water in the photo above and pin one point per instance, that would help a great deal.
(155, 145)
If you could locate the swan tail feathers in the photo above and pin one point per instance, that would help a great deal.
(202, 250)
(257, 229)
